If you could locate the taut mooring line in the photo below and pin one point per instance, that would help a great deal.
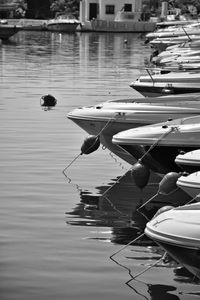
(157, 194)
(198, 195)
(71, 164)
(130, 274)
(145, 270)
(91, 146)
(117, 181)
(156, 143)
(133, 241)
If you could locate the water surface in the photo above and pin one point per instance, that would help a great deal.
(57, 232)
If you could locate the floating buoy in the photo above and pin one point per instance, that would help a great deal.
(168, 183)
(140, 174)
(48, 100)
(181, 152)
(166, 186)
(125, 41)
(90, 144)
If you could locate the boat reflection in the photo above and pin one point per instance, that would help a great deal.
(115, 206)
(160, 291)
(117, 210)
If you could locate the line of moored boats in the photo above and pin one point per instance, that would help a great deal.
(162, 132)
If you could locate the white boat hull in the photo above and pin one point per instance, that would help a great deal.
(110, 118)
(167, 83)
(190, 184)
(62, 27)
(177, 231)
(189, 161)
(165, 139)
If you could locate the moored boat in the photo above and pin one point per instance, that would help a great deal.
(7, 30)
(162, 142)
(177, 232)
(63, 23)
(162, 82)
(109, 118)
(190, 184)
(189, 161)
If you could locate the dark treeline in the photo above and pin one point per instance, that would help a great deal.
(50, 8)
(38, 9)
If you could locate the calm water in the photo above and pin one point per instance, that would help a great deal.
(57, 232)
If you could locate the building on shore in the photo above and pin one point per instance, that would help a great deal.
(116, 16)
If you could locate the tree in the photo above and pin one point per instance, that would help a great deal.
(65, 6)
(36, 10)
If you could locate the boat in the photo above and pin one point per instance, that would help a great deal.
(177, 232)
(180, 48)
(63, 23)
(170, 32)
(162, 142)
(8, 30)
(162, 82)
(190, 183)
(181, 59)
(177, 56)
(189, 161)
(177, 23)
(163, 43)
(109, 118)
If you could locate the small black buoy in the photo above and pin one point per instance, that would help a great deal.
(90, 144)
(140, 174)
(184, 173)
(164, 126)
(48, 100)
(181, 152)
(168, 183)
(125, 42)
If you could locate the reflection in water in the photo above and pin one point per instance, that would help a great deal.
(39, 257)
(116, 206)
(159, 291)
(117, 209)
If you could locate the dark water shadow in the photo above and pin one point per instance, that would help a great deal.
(115, 206)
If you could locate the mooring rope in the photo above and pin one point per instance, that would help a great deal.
(97, 136)
(117, 181)
(156, 143)
(140, 160)
(197, 196)
(154, 196)
(109, 121)
(131, 242)
(129, 271)
(114, 207)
